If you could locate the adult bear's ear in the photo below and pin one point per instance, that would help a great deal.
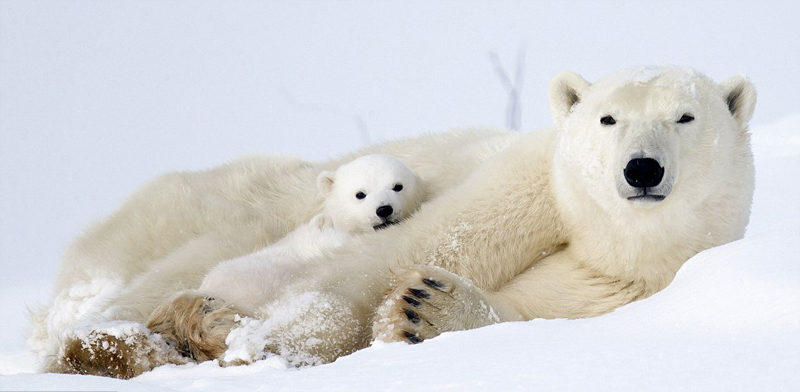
(740, 96)
(566, 90)
(325, 182)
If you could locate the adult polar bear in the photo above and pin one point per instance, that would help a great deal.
(642, 170)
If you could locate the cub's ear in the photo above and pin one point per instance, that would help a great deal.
(325, 182)
(740, 96)
(321, 221)
(566, 89)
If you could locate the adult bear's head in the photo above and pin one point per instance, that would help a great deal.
(654, 140)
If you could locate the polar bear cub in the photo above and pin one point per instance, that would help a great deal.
(367, 194)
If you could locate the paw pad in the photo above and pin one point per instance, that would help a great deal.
(411, 301)
(413, 338)
(412, 316)
(434, 283)
(419, 293)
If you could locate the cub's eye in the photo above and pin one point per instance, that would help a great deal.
(686, 118)
(607, 120)
(398, 188)
(360, 195)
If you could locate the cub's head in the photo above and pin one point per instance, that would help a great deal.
(643, 139)
(369, 193)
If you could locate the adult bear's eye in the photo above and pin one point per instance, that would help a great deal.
(360, 195)
(398, 188)
(607, 120)
(686, 118)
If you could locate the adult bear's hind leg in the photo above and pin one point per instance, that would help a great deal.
(114, 349)
(195, 325)
(191, 327)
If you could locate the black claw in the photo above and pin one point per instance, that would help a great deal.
(412, 337)
(411, 301)
(433, 283)
(412, 316)
(419, 293)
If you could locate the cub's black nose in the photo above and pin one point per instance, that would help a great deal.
(384, 211)
(643, 172)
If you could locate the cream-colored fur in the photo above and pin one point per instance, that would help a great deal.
(599, 250)
(248, 282)
(518, 226)
(169, 234)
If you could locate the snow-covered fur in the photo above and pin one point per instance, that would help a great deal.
(367, 194)
(642, 170)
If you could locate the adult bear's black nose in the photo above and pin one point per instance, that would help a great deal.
(384, 211)
(643, 172)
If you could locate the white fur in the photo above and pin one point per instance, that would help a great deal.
(248, 282)
(171, 232)
(375, 177)
(518, 226)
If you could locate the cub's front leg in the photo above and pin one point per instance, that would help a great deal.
(427, 301)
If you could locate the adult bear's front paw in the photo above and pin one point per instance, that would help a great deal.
(427, 301)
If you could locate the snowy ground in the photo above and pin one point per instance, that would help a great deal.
(97, 97)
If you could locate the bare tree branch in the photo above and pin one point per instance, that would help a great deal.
(363, 131)
(514, 88)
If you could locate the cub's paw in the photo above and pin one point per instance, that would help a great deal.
(427, 301)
